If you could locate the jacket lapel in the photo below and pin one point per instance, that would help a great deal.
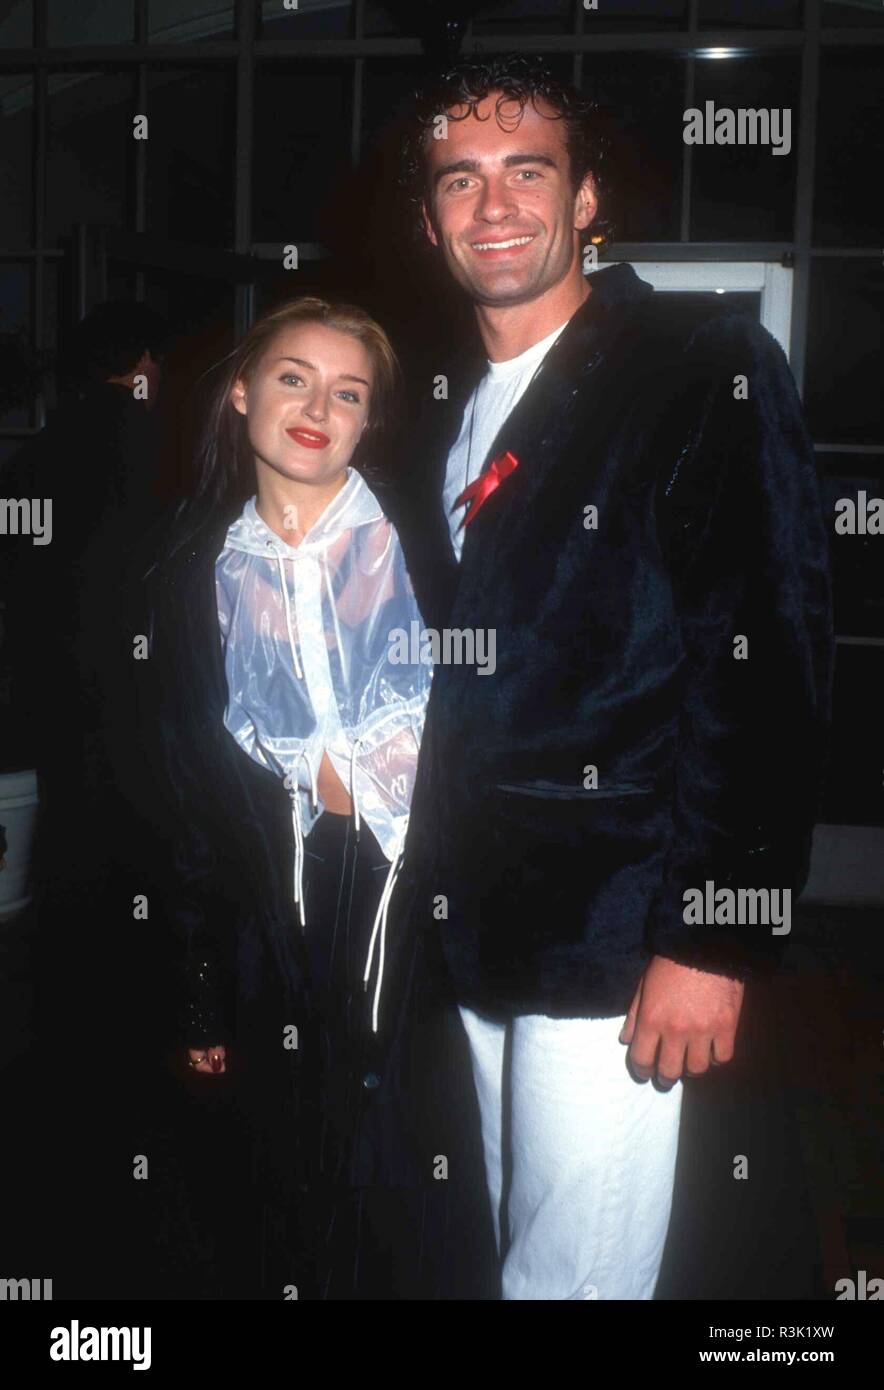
(564, 375)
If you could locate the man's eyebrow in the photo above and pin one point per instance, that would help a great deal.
(469, 166)
(342, 376)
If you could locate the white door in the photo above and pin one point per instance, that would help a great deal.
(763, 286)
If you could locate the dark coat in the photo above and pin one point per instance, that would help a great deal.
(223, 882)
(615, 647)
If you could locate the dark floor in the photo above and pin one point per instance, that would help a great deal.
(802, 1102)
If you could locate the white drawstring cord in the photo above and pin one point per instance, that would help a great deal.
(380, 925)
(353, 796)
(291, 780)
(288, 608)
(298, 886)
(334, 611)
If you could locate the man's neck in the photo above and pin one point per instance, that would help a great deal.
(512, 329)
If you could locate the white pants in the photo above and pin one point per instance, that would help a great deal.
(590, 1155)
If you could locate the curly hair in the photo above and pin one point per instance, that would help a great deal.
(516, 79)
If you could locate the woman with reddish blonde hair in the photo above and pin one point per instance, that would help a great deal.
(289, 726)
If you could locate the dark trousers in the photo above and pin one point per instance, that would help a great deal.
(386, 1223)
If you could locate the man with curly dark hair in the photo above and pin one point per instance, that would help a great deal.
(622, 491)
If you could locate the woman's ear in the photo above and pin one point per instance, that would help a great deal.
(238, 397)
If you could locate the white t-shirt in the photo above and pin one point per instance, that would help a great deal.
(493, 400)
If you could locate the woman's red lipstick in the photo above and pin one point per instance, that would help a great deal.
(310, 439)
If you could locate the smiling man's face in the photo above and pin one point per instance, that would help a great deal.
(501, 203)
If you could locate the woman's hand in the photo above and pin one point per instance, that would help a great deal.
(211, 1060)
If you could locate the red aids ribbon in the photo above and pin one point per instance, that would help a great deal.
(485, 484)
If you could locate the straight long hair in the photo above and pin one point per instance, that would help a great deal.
(224, 462)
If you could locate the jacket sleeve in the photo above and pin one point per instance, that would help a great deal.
(189, 825)
(741, 525)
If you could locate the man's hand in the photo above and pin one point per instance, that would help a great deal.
(690, 1015)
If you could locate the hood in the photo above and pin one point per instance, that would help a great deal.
(355, 505)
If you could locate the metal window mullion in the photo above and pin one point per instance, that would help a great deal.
(577, 70)
(244, 294)
(356, 122)
(38, 282)
(92, 56)
(845, 253)
(687, 151)
(358, 86)
(849, 448)
(142, 36)
(141, 173)
(803, 229)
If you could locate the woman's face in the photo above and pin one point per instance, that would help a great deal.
(306, 402)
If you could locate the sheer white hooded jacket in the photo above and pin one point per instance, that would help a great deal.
(313, 659)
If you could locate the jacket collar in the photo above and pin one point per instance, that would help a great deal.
(354, 505)
(184, 538)
(614, 289)
(577, 351)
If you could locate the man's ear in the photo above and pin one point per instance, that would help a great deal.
(238, 397)
(586, 203)
(428, 224)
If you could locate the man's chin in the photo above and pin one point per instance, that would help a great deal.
(500, 292)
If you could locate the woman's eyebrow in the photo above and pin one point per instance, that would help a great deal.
(302, 362)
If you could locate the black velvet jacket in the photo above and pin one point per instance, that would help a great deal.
(616, 648)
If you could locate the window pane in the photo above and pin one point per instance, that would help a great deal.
(301, 144)
(17, 25)
(857, 569)
(180, 21)
(641, 101)
(524, 17)
(856, 752)
(56, 302)
(90, 21)
(190, 153)
(852, 13)
(380, 21)
(15, 327)
(637, 15)
(16, 154)
(750, 14)
(745, 191)
(387, 92)
(312, 19)
(8, 449)
(850, 148)
(89, 150)
(844, 357)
